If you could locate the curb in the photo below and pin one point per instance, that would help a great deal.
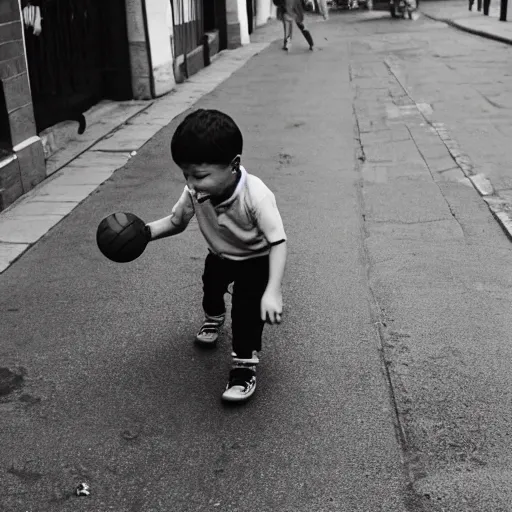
(474, 31)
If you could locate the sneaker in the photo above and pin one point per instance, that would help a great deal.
(241, 385)
(242, 378)
(209, 332)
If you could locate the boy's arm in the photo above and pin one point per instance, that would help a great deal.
(277, 263)
(272, 300)
(270, 223)
(175, 223)
(164, 227)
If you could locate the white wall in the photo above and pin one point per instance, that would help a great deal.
(265, 9)
(242, 19)
(139, 59)
(158, 13)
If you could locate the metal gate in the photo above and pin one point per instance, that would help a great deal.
(80, 57)
(188, 27)
(214, 15)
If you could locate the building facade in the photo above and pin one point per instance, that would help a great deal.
(58, 58)
(21, 155)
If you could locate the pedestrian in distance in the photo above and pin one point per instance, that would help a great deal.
(290, 12)
(323, 8)
(238, 216)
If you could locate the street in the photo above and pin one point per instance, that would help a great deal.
(386, 388)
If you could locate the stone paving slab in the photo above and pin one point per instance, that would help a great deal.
(27, 230)
(382, 172)
(99, 160)
(115, 114)
(399, 151)
(62, 192)
(434, 231)
(417, 205)
(129, 138)
(39, 208)
(10, 252)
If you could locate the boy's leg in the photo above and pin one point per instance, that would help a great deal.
(217, 276)
(250, 282)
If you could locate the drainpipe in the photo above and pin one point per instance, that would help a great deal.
(148, 48)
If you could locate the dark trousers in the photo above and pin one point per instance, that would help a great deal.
(250, 278)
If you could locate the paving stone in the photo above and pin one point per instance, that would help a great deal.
(396, 151)
(9, 252)
(81, 176)
(386, 172)
(99, 160)
(64, 193)
(114, 115)
(398, 202)
(433, 149)
(35, 208)
(453, 175)
(27, 230)
(389, 135)
(482, 184)
(437, 230)
(127, 138)
(441, 163)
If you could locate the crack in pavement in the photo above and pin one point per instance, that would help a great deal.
(374, 306)
(437, 184)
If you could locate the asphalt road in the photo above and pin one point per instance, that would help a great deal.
(112, 391)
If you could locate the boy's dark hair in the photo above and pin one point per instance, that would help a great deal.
(206, 137)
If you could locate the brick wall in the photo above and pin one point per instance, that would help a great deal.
(13, 73)
(24, 166)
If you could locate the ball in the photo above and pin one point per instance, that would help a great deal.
(121, 237)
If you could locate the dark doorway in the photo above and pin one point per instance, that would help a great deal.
(250, 15)
(5, 129)
(80, 58)
(221, 23)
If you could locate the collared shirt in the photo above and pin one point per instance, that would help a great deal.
(244, 226)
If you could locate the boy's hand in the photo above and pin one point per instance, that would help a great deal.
(272, 306)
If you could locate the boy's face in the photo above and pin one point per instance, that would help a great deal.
(209, 180)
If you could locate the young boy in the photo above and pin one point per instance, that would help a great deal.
(238, 217)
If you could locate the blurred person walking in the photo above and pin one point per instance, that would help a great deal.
(323, 8)
(290, 12)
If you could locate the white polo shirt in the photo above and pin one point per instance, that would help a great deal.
(244, 226)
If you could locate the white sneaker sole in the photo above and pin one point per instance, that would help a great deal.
(235, 394)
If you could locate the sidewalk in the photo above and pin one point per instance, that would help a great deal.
(457, 14)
